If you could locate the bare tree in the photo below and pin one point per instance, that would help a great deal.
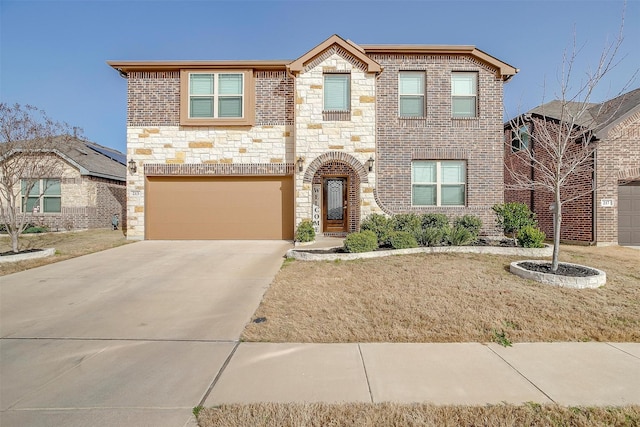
(28, 144)
(559, 140)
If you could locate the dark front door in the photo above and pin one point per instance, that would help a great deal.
(334, 209)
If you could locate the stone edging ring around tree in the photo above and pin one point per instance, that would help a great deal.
(28, 255)
(597, 279)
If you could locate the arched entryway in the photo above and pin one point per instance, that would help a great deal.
(336, 180)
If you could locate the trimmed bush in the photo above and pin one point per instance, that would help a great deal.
(471, 223)
(380, 225)
(434, 220)
(460, 236)
(363, 241)
(434, 236)
(531, 237)
(410, 223)
(402, 240)
(305, 232)
(512, 217)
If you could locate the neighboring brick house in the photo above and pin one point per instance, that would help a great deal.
(248, 149)
(611, 213)
(85, 187)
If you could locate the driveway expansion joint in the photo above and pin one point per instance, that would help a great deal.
(219, 374)
(622, 350)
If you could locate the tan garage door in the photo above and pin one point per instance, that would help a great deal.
(204, 208)
(629, 214)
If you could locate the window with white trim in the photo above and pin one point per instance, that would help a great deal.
(464, 94)
(43, 197)
(411, 94)
(216, 95)
(438, 182)
(337, 92)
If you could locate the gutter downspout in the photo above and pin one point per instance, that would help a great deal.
(594, 217)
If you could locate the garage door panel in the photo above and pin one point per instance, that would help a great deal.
(219, 208)
(629, 214)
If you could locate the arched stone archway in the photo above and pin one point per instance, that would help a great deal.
(345, 174)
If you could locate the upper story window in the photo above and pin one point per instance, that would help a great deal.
(438, 182)
(464, 94)
(216, 98)
(411, 94)
(43, 197)
(520, 138)
(337, 92)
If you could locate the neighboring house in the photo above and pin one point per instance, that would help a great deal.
(248, 149)
(611, 213)
(83, 189)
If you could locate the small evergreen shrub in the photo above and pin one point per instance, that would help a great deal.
(363, 241)
(305, 231)
(511, 217)
(460, 236)
(35, 229)
(434, 220)
(531, 237)
(380, 225)
(434, 236)
(402, 240)
(471, 223)
(411, 223)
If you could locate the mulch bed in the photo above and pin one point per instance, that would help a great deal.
(563, 269)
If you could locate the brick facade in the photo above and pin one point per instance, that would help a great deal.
(291, 129)
(438, 136)
(584, 220)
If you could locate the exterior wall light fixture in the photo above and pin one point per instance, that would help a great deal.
(300, 163)
(133, 168)
(370, 163)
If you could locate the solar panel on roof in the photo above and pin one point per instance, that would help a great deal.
(112, 154)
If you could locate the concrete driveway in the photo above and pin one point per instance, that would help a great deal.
(131, 336)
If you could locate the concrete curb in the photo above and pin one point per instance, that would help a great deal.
(547, 251)
(30, 255)
(589, 282)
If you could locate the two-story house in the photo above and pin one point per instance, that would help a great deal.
(248, 149)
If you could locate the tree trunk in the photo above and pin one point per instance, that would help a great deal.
(557, 222)
(14, 240)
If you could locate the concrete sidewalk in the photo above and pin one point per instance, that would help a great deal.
(584, 374)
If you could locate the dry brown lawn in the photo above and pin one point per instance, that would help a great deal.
(448, 298)
(67, 244)
(387, 414)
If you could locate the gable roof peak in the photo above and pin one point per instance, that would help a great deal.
(350, 47)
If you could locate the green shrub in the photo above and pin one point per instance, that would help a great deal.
(434, 220)
(531, 237)
(363, 241)
(305, 231)
(402, 240)
(410, 223)
(380, 225)
(460, 236)
(471, 223)
(434, 236)
(511, 217)
(35, 229)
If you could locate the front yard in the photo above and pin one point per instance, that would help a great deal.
(448, 298)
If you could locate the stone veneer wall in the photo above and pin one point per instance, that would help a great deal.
(155, 137)
(316, 136)
(438, 136)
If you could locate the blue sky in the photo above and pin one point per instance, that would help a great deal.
(53, 53)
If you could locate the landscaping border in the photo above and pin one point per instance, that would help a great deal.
(588, 282)
(305, 255)
(29, 255)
